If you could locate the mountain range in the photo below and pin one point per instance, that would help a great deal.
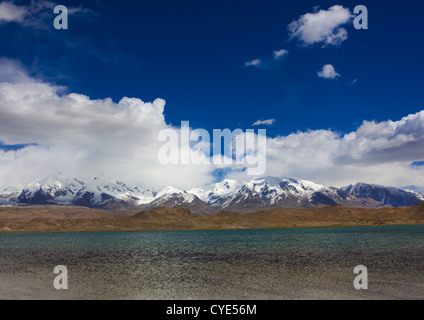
(230, 195)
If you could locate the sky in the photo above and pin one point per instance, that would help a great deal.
(340, 105)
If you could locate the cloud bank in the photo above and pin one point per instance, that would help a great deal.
(377, 152)
(83, 138)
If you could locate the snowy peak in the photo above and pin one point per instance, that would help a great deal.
(217, 190)
(115, 189)
(272, 192)
(56, 188)
(174, 198)
(102, 193)
(283, 185)
(169, 193)
(99, 193)
(272, 189)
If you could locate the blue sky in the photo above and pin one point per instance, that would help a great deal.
(198, 56)
(193, 54)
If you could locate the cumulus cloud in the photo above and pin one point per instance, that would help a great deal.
(82, 137)
(328, 72)
(324, 26)
(267, 122)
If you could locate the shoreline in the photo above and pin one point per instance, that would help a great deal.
(185, 230)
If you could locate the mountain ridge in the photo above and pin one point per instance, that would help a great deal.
(257, 194)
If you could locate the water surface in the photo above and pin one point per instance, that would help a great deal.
(309, 263)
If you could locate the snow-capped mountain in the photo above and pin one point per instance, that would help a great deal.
(256, 194)
(56, 189)
(271, 192)
(386, 195)
(99, 193)
(260, 193)
(9, 196)
(174, 198)
(212, 193)
(103, 193)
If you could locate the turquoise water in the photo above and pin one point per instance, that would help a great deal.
(310, 263)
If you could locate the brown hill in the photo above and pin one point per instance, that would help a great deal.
(161, 213)
(77, 219)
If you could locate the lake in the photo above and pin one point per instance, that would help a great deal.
(308, 263)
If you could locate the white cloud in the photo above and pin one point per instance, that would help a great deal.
(35, 14)
(9, 12)
(267, 122)
(328, 72)
(377, 152)
(82, 137)
(253, 63)
(323, 26)
(269, 63)
(278, 54)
